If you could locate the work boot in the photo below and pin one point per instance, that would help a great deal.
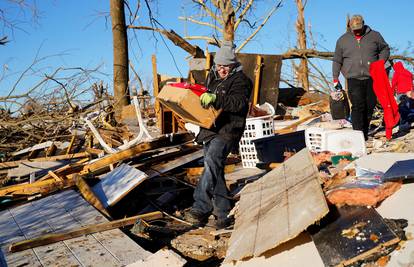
(196, 217)
(221, 223)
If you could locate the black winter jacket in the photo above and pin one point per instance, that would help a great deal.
(353, 57)
(233, 94)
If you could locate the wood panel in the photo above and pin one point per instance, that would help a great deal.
(351, 233)
(117, 183)
(64, 211)
(272, 209)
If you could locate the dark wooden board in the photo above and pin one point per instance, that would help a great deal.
(337, 248)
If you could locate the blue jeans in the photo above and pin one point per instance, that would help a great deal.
(211, 194)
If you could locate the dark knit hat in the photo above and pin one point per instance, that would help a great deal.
(226, 54)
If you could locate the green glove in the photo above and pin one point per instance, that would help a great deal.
(207, 99)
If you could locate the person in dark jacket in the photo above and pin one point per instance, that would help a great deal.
(229, 89)
(355, 51)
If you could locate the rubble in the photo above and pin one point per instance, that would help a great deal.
(129, 174)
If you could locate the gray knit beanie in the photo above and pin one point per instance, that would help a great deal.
(226, 55)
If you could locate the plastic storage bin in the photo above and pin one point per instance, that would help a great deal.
(319, 139)
(255, 128)
(271, 149)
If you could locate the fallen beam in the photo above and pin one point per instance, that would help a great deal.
(42, 187)
(135, 150)
(53, 238)
(11, 164)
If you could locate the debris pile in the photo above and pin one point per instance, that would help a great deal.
(315, 189)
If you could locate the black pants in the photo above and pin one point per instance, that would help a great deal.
(363, 102)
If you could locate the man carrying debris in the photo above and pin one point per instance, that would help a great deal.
(355, 51)
(229, 89)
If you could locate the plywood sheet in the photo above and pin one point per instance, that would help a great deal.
(351, 233)
(117, 183)
(277, 207)
(64, 211)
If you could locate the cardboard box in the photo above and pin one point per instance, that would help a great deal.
(186, 104)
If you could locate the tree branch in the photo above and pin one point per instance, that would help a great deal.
(201, 23)
(208, 10)
(179, 41)
(260, 26)
(244, 11)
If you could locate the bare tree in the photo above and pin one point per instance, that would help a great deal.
(231, 16)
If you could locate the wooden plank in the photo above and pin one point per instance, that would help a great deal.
(56, 177)
(272, 210)
(52, 238)
(11, 164)
(33, 221)
(36, 187)
(350, 234)
(114, 241)
(117, 183)
(72, 141)
(257, 75)
(156, 90)
(209, 63)
(165, 167)
(89, 195)
(135, 151)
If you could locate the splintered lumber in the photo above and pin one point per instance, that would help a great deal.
(257, 73)
(11, 164)
(67, 169)
(89, 195)
(350, 234)
(72, 141)
(135, 151)
(52, 238)
(117, 183)
(277, 207)
(43, 187)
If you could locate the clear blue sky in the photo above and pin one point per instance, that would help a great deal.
(80, 31)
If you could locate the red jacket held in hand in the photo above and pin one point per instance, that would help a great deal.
(385, 95)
